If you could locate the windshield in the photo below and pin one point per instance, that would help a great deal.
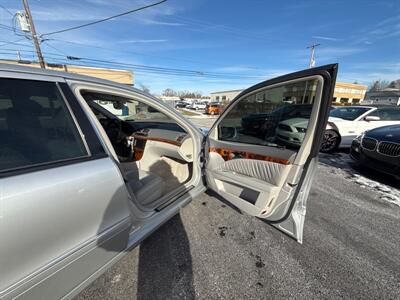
(133, 110)
(348, 113)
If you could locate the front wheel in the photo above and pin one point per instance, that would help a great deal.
(330, 142)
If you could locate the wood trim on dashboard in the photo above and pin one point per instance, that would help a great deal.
(229, 154)
(156, 139)
(139, 151)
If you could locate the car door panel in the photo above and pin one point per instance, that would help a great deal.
(260, 175)
(61, 211)
(55, 227)
(263, 177)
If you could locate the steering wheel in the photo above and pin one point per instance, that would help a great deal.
(115, 124)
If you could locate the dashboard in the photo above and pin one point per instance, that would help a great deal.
(162, 142)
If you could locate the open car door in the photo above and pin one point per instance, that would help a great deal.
(262, 153)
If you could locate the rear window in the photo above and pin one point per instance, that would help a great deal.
(35, 125)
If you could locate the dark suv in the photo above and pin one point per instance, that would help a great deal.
(260, 124)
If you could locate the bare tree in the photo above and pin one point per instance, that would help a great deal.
(169, 93)
(378, 85)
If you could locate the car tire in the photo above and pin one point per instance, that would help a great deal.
(330, 142)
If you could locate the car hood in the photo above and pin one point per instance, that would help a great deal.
(389, 133)
(296, 122)
(251, 117)
(335, 120)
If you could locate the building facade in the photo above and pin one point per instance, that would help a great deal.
(349, 93)
(224, 95)
(120, 76)
(387, 96)
(345, 93)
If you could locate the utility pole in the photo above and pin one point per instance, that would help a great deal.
(34, 35)
(312, 60)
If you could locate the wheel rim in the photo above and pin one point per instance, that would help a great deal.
(330, 141)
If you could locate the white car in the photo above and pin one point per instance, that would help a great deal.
(198, 106)
(292, 131)
(344, 124)
(347, 122)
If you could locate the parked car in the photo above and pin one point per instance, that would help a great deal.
(291, 132)
(259, 124)
(198, 106)
(344, 124)
(81, 186)
(347, 122)
(378, 149)
(182, 104)
(213, 109)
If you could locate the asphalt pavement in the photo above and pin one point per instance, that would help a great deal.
(211, 251)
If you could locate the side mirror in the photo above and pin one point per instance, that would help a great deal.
(227, 132)
(152, 110)
(371, 118)
(118, 105)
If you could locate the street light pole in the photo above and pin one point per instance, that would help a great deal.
(34, 35)
(312, 60)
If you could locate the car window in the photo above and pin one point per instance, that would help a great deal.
(388, 114)
(348, 113)
(125, 109)
(274, 117)
(35, 125)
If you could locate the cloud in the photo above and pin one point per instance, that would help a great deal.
(338, 51)
(235, 69)
(155, 22)
(370, 71)
(388, 28)
(326, 38)
(367, 77)
(142, 41)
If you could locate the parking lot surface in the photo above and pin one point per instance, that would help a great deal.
(350, 249)
(212, 251)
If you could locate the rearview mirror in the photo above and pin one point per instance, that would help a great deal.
(372, 118)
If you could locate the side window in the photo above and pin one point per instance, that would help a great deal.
(35, 125)
(389, 114)
(273, 117)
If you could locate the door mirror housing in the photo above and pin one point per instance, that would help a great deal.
(118, 105)
(372, 118)
(227, 132)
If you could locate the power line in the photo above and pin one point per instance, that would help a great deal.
(90, 62)
(6, 9)
(14, 43)
(146, 67)
(138, 53)
(103, 20)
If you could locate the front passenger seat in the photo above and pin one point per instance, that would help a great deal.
(147, 187)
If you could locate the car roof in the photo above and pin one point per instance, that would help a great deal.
(369, 106)
(355, 106)
(67, 75)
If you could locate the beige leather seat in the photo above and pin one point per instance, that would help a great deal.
(147, 187)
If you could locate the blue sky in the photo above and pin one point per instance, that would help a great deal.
(252, 39)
